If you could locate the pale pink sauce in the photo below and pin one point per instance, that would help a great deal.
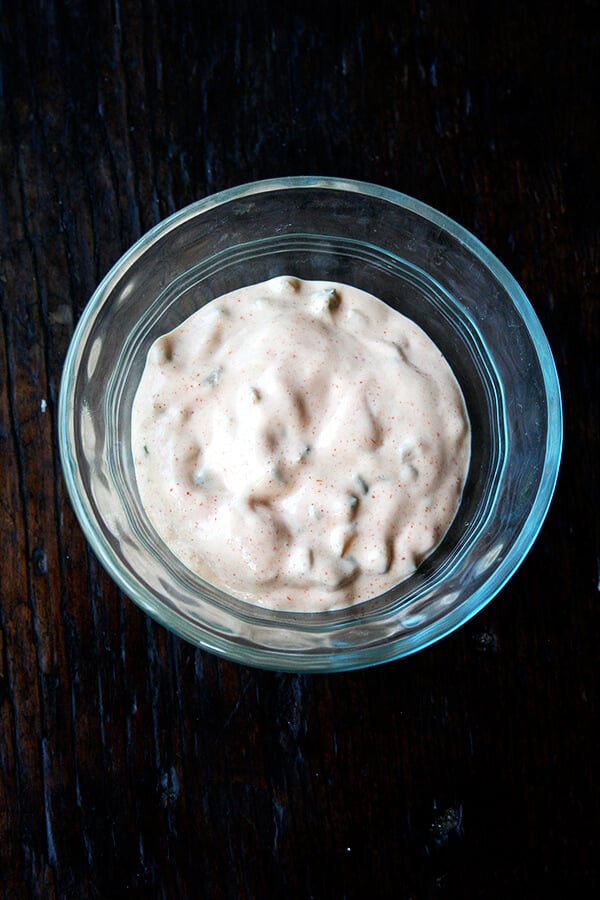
(300, 444)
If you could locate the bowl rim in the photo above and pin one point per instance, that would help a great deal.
(332, 660)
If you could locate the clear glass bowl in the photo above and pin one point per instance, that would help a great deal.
(418, 261)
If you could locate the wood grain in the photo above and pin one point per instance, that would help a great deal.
(133, 764)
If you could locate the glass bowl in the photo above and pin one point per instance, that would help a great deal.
(419, 262)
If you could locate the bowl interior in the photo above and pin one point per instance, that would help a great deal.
(419, 263)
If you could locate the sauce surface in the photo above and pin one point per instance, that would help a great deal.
(300, 444)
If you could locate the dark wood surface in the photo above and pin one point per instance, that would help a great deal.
(133, 764)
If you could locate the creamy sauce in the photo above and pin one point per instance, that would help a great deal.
(300, 444)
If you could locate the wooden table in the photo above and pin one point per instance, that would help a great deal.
(133, 764)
